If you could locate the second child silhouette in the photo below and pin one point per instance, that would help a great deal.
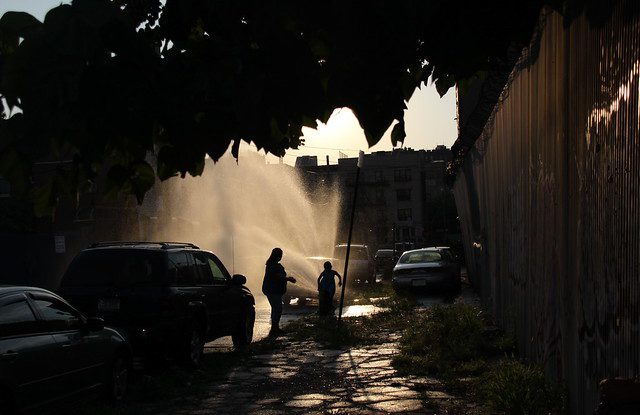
(327, 289)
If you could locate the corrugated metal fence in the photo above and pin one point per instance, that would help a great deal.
(549, 202)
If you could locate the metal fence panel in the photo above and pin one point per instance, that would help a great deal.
(548, 201)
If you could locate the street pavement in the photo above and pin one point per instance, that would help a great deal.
(303, 377)
(290, 313)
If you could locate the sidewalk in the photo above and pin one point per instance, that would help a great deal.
(302, 378)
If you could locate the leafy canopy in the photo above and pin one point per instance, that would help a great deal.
(101, 84)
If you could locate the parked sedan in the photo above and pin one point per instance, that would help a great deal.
(50, 352)
(427, 268)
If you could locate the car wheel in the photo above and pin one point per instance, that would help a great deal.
(244, 332)
(119, 379)
(6, 404)
(457, 287)
(194, 346)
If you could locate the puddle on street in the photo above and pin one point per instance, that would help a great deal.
(361, 310)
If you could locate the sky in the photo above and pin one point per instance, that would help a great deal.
(429, 119)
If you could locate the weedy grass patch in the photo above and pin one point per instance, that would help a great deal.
(456, 343)
(451, 341)
(513, 388)
(396, 313)
(459, 344)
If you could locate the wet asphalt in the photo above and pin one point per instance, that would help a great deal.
(294, 312)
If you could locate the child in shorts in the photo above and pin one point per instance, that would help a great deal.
(327, 289)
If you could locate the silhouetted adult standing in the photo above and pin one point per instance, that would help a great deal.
(274, 286)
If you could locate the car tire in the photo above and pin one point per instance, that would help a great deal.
(244, 332)
(118, 379)
(194, 346)
(6, 404)
(457, 287)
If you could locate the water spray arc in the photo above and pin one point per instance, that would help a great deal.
(241, 211)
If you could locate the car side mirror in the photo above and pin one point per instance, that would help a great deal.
(94, 324)
(238, 279)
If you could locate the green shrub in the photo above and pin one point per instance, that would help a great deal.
(451, 333)
(513, 388)
(451, 341)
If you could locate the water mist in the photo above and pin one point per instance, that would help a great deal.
(241, 211)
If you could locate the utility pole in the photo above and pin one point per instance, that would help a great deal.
(353, 212)
(444, 211)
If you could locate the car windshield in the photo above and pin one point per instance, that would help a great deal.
(115, 267)
(356, 253)
(420, 257)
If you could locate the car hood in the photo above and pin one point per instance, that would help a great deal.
(419, 265)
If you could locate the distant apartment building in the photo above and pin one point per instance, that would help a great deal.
(401, 194)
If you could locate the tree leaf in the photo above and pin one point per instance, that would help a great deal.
(18, 24)
(443, 84)
(235, 148)
(142, 179)
(398, 134)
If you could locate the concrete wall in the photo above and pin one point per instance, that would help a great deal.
(549, 201)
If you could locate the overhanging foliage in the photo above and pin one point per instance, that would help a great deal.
(104, 83)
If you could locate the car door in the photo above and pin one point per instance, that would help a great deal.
(25, 353)
(81, 354)
(187, 294)
(214, 283)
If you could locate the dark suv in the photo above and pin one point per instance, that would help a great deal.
(167, 297)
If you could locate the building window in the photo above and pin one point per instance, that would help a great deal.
(379, 195)
(404, 214)
(406, 234)
(377, 176)
(403, 195)
(402, 175)
(432, 182)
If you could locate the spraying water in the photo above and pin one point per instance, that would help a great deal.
(241, 211)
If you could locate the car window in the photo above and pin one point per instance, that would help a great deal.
(220, 275)
(17, 318)
(420, 257)
(180, 268)
(205, 276)
(356, 253)
(114, 267)
(57, 315)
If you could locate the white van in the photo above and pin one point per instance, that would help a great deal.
(361, 263)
